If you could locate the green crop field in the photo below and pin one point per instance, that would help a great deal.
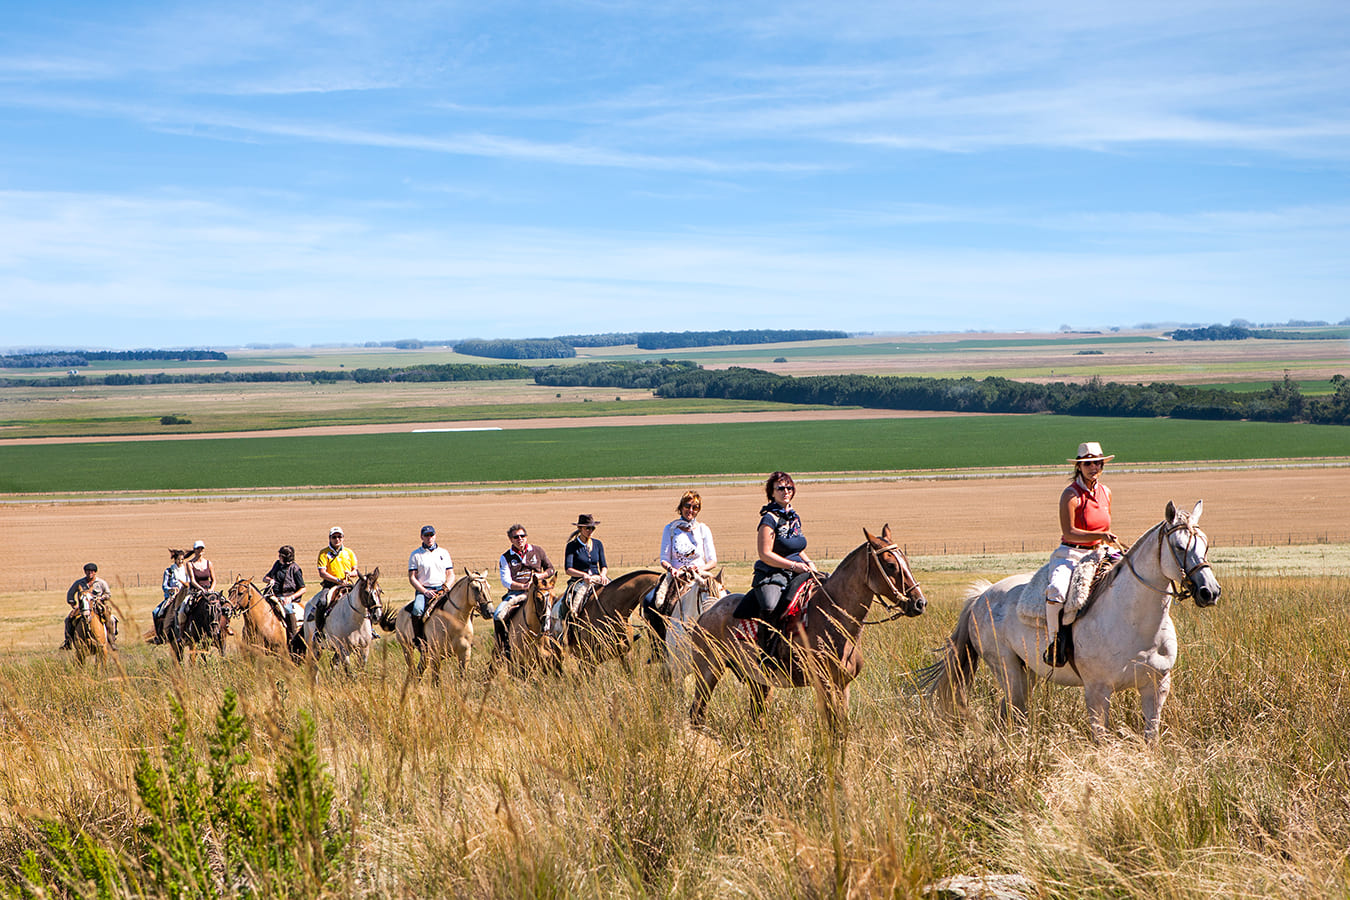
(639, 452)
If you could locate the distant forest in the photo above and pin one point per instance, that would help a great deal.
(79, 358)
(1282, 402)
(564, 347)
(430, 373)
(1241, 333)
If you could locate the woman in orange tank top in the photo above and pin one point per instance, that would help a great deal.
(1084, 522)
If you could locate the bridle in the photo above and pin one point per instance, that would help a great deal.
(897, 598)
(1186, 587)
(373, 609)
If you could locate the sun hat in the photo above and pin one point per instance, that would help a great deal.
(586, 520)
(428, 529)
(198, 545)
(336, 529)
(1091, 451)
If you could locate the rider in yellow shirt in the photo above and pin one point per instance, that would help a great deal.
(337, 565)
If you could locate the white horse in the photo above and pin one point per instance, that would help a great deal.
(1123, 637)
(347, 627)
(700, 596)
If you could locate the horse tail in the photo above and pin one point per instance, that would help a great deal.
(389, 619)
(945, 681)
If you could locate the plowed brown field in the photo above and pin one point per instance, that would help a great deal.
(46, 544)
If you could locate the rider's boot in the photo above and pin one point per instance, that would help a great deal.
(65, 645)
(503, 639)
(1054, 656)
(292, 625)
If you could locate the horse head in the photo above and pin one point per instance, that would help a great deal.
(480, 596)
(240, 594)
(895, 584)
(539, 595)
(370, 595)
(1187, 547)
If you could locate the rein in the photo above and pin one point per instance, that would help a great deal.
(895, 602)
(1185, 588)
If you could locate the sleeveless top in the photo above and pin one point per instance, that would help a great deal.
(788, 540)
(200, 572)
(1094, 509)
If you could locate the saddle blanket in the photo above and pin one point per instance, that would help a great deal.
(1031, 602)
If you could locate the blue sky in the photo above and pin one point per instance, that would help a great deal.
(209, 174)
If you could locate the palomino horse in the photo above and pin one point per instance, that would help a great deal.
(700, 594)
(448, 627)
(824, 641)
(530, 648)
(88, 632)
(264, 625)
(1123, 637)
(346, 629)
(600, 631)
(202, 622)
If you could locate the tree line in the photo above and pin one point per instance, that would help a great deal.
(564, 346)
(425, 373)
(74, 359)
(1241, 333)
(1282, 402)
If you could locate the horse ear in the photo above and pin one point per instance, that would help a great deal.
(867, 534)
(886, 532)
(1195, 513)
(1170, 513)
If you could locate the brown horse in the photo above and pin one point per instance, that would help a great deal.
(264, 623)
(88, 633)
(824, 640)
(448, 627)
(600, 631)
(531, 649)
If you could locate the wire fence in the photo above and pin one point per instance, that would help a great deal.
(620, 562)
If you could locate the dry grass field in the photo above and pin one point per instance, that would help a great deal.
(251, 777)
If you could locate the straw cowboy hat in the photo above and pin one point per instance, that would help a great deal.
(1091, 451)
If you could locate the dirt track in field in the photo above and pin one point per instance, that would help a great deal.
(966, 516)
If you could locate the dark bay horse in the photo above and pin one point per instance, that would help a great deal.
(202, 613)
(600, 630)
(824, 641)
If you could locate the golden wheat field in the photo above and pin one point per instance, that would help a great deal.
(247, 776)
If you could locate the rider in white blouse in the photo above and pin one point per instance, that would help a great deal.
(686, 542)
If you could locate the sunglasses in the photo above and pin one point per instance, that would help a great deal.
(518, 537)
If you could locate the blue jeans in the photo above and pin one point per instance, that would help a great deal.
(419, 603)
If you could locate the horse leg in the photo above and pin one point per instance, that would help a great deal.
(1015, 680)
(759, 699)
(1152, 695)
(1098, 697)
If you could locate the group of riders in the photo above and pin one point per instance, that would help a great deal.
(687, 552)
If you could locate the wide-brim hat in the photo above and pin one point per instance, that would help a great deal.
(586, 520)
(1091, 451)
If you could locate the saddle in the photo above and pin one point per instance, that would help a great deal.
(336, 593)
(769, 633)
(669, 589)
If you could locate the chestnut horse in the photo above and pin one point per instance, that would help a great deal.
(824, 641)
(448, 627)
(531, 649)
(89, 632)
(264, 626)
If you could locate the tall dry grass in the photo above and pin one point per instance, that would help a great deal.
(595, 787)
